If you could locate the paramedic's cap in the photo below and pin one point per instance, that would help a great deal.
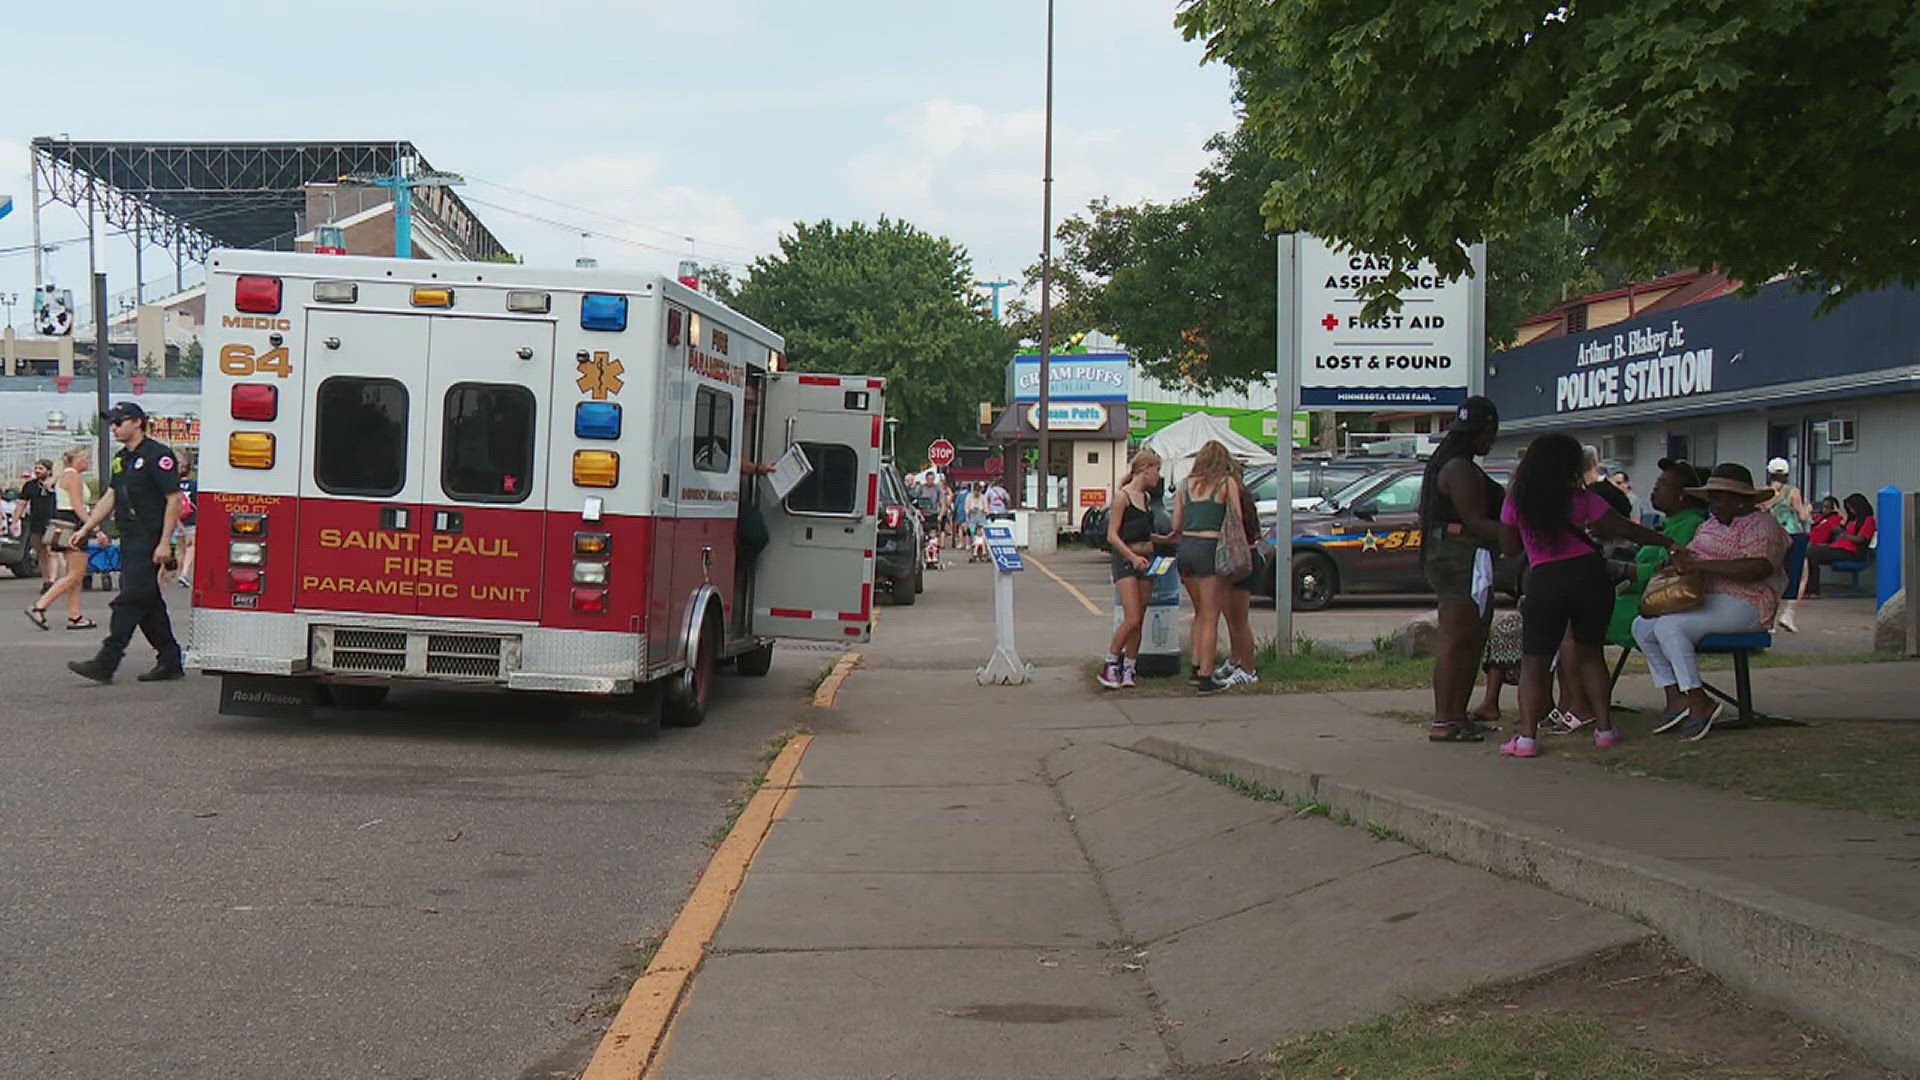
(1778, 466)
(126, 410)
(1475, 414)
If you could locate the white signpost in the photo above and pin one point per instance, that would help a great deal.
(1005, 666)
(1431, 354)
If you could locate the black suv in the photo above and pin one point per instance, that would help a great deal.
(898, 563)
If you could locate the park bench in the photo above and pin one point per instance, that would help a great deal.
(1738, 646)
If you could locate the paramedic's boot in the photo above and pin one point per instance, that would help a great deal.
(92, 669)
(161, 672)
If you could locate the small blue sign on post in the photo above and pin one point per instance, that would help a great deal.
(1006, 556)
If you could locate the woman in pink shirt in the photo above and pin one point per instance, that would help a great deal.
(1550, 513)
(1742, 553)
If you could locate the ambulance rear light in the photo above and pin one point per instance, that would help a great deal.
(432, 296)
(592, 543)
(596, 420)
(250, 450)
(590, 601)
(589, 572)
(531, 303)
(603, 311)
(335, 292)
(246, 553)
(255, 401)
(256, 294)
(245, 581)
(596, 468)
(254, 525)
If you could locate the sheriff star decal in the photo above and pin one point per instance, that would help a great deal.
(1369, 542)
(600, 375)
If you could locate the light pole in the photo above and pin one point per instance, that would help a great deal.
(8, 299)
(1046, 281)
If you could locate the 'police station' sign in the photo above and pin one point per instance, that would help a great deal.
(1417, 357)
(1638, 365)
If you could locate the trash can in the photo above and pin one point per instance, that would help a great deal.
(1160, 635)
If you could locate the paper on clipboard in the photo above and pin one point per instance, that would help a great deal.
(787, 473)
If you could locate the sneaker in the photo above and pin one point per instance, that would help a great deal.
(1209, 684)
(1696, 728)
(1126, 677)
(92, 669)
(1670, 720)
(1110, 675)
(1604, 739)
(1512, 748)
(1786, 620)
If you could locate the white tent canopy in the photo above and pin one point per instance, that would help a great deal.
(1179, 442)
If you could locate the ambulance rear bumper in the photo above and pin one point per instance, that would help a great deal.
(399, 648)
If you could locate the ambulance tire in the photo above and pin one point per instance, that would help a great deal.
(356, 696)
(755, 662)
(903, 593)
(687, 694)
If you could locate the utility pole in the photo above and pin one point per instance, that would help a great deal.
(995, 286)
(402, 182)
(1046, 283)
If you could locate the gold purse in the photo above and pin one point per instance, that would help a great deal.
(1673, 591)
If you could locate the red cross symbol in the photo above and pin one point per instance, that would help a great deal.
(1331, 322)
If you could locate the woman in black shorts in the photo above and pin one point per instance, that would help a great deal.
(1130, 537)
(1239, 667)
(1550, 513)
(1199, 512)
(1459, 519)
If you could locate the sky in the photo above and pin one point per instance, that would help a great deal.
(649, 121)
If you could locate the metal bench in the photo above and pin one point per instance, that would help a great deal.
(1853, 568)
(1738, 646)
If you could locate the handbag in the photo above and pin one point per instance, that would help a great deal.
(1673, 591)
(1233, 556)
(58, 534)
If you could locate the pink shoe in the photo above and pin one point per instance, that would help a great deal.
(1604, 739)
(1512, 748)
(1110, 675)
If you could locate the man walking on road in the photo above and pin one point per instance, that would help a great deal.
(35, 505)
(144, 497)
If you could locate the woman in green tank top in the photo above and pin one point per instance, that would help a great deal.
(1791, 510)
(1199, 511)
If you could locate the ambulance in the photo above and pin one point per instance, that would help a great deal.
(492, 476)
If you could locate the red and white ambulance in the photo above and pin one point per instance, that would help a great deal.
(496, 476)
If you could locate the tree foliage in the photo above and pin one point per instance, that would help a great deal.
(1759, 136)
(887, 300)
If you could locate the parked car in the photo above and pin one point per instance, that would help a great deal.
(897, 564)
(1316, 478)
(16, 554)
(1364, 538)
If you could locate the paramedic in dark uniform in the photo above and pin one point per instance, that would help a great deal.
(144, 497)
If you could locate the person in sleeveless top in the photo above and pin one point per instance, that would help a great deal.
(69, 510)
(1131, 538)
(1199, 512)
(1459, 519)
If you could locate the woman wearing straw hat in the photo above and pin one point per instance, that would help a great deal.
(1741, 551)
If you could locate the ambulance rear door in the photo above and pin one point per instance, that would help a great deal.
(815, 579)
(362, 482)
(488, 409)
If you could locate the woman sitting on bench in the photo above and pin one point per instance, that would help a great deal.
(1850, 542)
(1742, 554)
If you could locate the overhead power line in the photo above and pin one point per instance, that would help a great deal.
(581, 230)
(676, 234)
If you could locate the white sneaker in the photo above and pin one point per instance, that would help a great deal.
(1786, 619)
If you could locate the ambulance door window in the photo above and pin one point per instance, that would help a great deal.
(712, 430)
(833, 487)
(486, 445)
(360, 437)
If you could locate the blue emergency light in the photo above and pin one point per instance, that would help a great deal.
(603, 311)
(596, 420)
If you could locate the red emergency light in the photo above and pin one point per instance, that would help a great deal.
(255, 401)
(244, 581)
(256, 294)
(590, 601)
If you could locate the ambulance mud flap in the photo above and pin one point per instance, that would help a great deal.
(268, 696)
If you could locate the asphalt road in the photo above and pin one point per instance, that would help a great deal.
(441, 888)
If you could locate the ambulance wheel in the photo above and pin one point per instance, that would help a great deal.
(756, 662)
(687, 693)
(903, 593)
(355, 696)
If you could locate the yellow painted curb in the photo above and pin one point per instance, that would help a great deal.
(633, 1042)
(830, 686)
(1067, 585)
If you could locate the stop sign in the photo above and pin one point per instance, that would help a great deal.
(940, 453)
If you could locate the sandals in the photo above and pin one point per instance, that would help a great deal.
(1456, 731)
(37, 617)
(81, 623)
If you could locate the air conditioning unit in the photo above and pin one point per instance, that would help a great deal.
(1616, 449)
(1837, 432)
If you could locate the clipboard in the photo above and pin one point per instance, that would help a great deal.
(789, 471)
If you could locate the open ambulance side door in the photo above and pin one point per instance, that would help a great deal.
(815, 578)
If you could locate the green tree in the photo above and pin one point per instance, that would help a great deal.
(890, 300)
(1759, 136)
(191, 359)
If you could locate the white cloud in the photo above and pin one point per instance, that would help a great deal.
(627, 196)
(974, 174)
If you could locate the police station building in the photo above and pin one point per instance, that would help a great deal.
(1729, 379)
